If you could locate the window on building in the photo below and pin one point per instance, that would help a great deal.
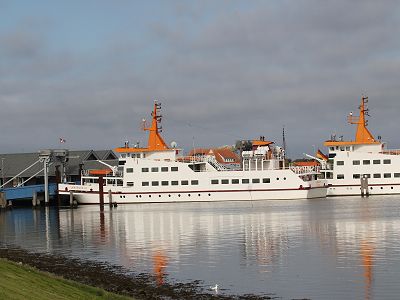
(387, 175)
(397, 175)
(184, 182)
(145, 169)
(225, 181)
(332, 148)
(174, 169)
(164, 182)
(367, 175)
(376, 161)
(214, 181)
(255, 180)
(145, 183)
(340, 163)
(387, 162)
(129, 170)
(340, 176)
(356, 162)
(154, 169)
(235, 181)
(245, 181)
(154, 183)
(356, 176)
(174, 182)
(266, 180)
(129, 183)
(348, 148)
(366, 162)
(164, 169)
(377, 176)
(194, 182)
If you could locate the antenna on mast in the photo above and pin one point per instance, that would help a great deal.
(284, 141)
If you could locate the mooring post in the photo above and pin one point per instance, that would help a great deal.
(34, 199)
(3, 201)
(110, 198)
(71, 198)
(101, 193)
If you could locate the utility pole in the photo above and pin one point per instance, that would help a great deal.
(2, 170)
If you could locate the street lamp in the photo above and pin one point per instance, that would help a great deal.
(2, 170)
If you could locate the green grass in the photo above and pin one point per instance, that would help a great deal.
(23, 282)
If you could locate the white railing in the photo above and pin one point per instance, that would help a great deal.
(305, 169)
(391, 152)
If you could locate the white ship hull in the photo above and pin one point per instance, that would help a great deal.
(123, 196)
(280, 184)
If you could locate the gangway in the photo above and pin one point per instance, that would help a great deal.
(47, 157)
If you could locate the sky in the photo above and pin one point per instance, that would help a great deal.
(89, 71)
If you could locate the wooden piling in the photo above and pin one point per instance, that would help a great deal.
(101, 193)
(71, 198)
(364, 187)
(34, 199)
(110, 198)
(3, 201)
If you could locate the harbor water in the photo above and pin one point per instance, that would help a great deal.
(335, 248)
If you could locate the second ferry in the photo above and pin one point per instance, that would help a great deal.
(361, 166)
(157, 173)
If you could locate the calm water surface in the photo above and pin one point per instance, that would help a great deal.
(337, 248)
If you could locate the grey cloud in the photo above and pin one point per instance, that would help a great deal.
(240, 74)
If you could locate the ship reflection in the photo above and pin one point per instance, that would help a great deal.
(161, 239)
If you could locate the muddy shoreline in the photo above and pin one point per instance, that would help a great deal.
(115, 279)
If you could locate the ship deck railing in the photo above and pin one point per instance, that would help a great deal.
(391, 152)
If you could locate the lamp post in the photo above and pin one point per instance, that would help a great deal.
(2, 170)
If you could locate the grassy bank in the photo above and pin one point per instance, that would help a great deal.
(23, 282)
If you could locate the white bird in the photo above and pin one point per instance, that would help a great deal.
(214, 288)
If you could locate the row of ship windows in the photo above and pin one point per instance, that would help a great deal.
(165, 183)
(365, 162)
(244, 181)
(196, 182)
(347, 148)
(154, 169)
(378, 175)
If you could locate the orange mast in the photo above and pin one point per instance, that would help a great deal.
(155, 141)
(363, 135)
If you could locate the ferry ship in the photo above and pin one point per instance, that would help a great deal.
(157, 173)
(363, 166)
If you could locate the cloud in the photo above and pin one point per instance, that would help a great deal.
(223, 72)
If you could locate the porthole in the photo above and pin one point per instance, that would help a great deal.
(159, 195)
(140, 196)
(169, 195)
(199, 195)
(277, 178)
(179, 195)
(381, 187)
(189, 195)
(137, 196)
(284, 178)
(209, 194)
(149, 196)
(391, 188)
